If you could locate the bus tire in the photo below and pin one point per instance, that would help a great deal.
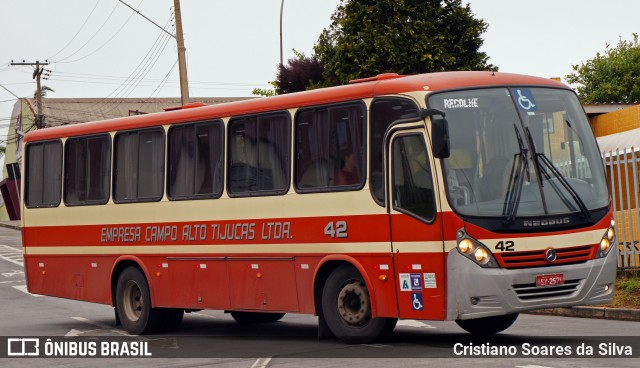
(346, 308)
(487, 325)
(256, 317)
(133, 303)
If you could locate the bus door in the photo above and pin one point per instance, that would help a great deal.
(416, 225)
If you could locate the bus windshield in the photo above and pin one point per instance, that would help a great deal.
(520, 152)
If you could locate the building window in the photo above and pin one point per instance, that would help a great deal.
(259, 155)
(44, 174)
(87, 170)
(139, 166)
(195, 161)
(330, 148)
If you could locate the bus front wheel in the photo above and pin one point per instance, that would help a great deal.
(487, 325)
(346, 308)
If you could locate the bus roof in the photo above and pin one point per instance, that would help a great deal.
(386, 84)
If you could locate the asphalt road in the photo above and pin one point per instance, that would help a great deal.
(212, 338)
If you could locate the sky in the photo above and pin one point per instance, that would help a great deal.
(101, 48)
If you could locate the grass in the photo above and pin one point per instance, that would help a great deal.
(627, 291)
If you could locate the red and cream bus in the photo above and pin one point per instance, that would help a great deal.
(466, 196)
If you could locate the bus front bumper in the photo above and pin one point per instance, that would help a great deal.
(476, 292)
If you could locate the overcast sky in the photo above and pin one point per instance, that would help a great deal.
(101, 48)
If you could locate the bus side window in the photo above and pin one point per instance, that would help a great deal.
(412, 182)
(330, 147)
(141, 179)
(259, 155)
(195, 161)
(44, 174)
(87, 170)
(384, 111)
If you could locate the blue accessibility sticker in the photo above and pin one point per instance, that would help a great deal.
(416, 302)
(525, 100)
(416, 281)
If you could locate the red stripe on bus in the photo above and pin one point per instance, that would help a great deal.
(331, 229)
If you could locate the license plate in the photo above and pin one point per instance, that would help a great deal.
(549, 280)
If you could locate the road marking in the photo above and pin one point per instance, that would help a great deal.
(261, 363)
(413, 323)
(23, 288)
(13, 273)
(94, 323)
(11, 254)
(111, 330)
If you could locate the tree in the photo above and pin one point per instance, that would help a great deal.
(610, 78)
(369, 37)
(301, 73)
(265, 92)
(43, 91)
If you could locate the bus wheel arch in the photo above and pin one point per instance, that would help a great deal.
(344, 302)
(326, 266)
(132, 298)
(119, 266)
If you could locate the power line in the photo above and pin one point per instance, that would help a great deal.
(145, 17)
(77, 32)
(92, 36)
(106, 42)
(7, 89)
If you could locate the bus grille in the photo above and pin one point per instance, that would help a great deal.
(530, 291)
(537, 258)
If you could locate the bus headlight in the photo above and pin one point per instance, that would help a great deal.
(608, 241)
(475, 251)
(482, 256)
(465, 246)
(611, 233)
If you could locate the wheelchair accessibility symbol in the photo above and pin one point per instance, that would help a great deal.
(416, 302)
(526, 101)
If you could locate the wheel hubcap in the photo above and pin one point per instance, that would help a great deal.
(132, 300)
(353, 304)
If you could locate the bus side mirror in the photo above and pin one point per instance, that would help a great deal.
(440, 138)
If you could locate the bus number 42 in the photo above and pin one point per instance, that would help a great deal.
(336, 229)
(505, 246)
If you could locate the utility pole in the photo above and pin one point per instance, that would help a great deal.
(182, 62)
(281, 9)
(36, 75)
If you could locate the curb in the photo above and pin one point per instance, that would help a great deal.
(621, 314)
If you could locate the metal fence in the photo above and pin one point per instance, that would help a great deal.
(622, 173)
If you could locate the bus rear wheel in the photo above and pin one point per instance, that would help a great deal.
(255, 317)
(133, 304)
(487, 325)
(346, 308)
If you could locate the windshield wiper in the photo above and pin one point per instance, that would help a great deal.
(520, 166)
(539, 157)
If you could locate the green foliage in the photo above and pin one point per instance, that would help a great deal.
(369, 37)
(43, 91)
(612, 77)
(265, 92)
(627, 292)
